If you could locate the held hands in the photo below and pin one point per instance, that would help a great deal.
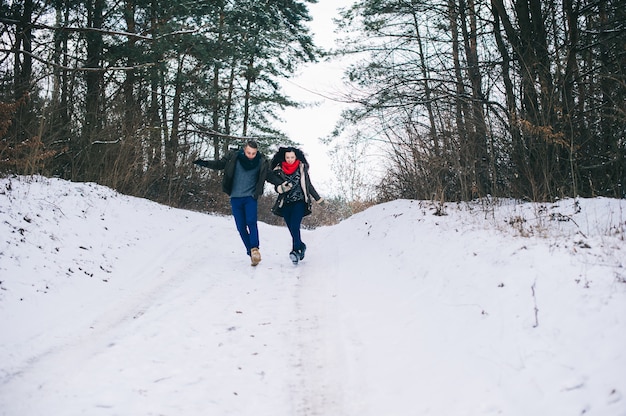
(284, 187)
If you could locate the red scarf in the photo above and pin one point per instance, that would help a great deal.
(290, 169)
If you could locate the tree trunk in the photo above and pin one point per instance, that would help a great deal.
(23, 127)
(90, 167)
(427, 89)
(479, 162)
(155, 152)
(216, 99)
(229, 104)
(574, 127)
(130, 104)
(247, 93)
(517, 147)
(460, 106)
(171, 147)
(23, 48)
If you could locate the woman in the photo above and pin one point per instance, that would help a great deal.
(295, 194)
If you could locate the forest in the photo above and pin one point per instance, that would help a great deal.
(470, 98)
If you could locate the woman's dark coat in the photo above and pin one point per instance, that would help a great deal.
(276, 176)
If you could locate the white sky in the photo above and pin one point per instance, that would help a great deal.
(316, 84)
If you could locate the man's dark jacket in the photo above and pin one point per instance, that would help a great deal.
(228, 164)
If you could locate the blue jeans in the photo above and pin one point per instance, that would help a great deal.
(245, 212)
(293, 214)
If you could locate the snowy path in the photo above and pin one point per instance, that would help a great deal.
(112, 305)
(195, 330)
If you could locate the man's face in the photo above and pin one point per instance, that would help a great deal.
(250, 152)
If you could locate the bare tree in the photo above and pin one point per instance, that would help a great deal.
(526, 103)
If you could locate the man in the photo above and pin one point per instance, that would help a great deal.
(245, 173)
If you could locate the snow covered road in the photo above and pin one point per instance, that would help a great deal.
(111, 305)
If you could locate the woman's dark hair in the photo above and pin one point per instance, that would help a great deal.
(279, 157)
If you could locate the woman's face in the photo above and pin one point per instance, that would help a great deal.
(290, 157)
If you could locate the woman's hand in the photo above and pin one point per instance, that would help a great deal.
(284, 187)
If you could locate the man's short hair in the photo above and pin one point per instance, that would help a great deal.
(252, 143)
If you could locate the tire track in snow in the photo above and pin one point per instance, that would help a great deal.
(318, 350)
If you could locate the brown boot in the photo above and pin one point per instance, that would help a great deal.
(255, 256)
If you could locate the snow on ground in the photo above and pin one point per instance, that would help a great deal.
(114, 305)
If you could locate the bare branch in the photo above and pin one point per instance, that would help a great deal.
(103, 31)
(532, 288)
(82, 69)
(206, 131)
